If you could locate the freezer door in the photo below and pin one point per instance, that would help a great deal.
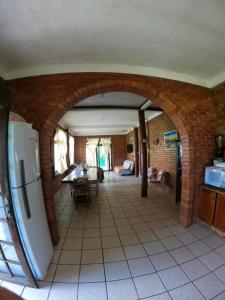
(21, 150)
(37, 153)
(33, 230)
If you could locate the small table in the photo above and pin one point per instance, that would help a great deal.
(91, 175)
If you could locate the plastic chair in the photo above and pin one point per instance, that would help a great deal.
(158, 179)
(151, 173)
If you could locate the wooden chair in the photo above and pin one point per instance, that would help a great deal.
(100, 175)
(81, 191)
(158, 179)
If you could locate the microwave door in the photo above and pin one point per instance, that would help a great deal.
(215, 177)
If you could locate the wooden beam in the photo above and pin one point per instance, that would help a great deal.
(136, 154)
(143, 139)
(112, 107)
(154, 108)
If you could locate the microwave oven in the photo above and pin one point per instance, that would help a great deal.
(215, 176)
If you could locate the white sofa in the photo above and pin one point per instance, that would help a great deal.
(126, 169)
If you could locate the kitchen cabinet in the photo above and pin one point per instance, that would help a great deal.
(219, 218)
(207, 206)
(212, 207)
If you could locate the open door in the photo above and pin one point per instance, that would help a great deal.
(104, 160)
(13, 264)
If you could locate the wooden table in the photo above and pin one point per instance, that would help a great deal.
(8, 295)
(91, 175)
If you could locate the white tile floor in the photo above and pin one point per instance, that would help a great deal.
(128, 248)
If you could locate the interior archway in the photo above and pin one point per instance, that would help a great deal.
(164, 101)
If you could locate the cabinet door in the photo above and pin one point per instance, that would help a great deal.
(207, 205)
(219, 219)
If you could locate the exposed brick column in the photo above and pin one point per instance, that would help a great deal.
(48, 184)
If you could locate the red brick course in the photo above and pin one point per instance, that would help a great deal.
(43, 100)
(219, 104)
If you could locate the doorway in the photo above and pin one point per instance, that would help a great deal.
(104, 160)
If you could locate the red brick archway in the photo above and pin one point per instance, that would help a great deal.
(43, 100)
(166, 102)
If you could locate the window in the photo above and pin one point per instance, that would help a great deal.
(71, 149)
(60, 151)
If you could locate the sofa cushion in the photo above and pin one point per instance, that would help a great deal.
(128, 164)
(124, 172)
(126, 169)
(131, 165)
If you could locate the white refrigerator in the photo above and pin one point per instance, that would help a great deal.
(27, 196)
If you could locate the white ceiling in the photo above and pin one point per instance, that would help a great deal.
(102, 122)
(178, 39)
(113, 99)
(87, 121)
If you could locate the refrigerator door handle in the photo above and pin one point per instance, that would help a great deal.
(24, 190)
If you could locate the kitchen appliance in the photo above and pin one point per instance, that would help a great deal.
(215, 176)
(220, 164)
(27, 196)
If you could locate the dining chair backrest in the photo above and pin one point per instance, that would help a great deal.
(81, 183)
(100, 174)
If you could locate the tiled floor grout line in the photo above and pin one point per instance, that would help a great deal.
(210, 272)
(184, 245)
(151, 272)
(81, 254)
(52, 282)
(217, 295)
(122, 209)
(128, 265)
(103, 259)
(152, 265)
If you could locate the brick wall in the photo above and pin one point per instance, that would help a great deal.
(219, 104)
(128, 137)
(80, 149)
(43, 100)
(159, 157)
(118, 149)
